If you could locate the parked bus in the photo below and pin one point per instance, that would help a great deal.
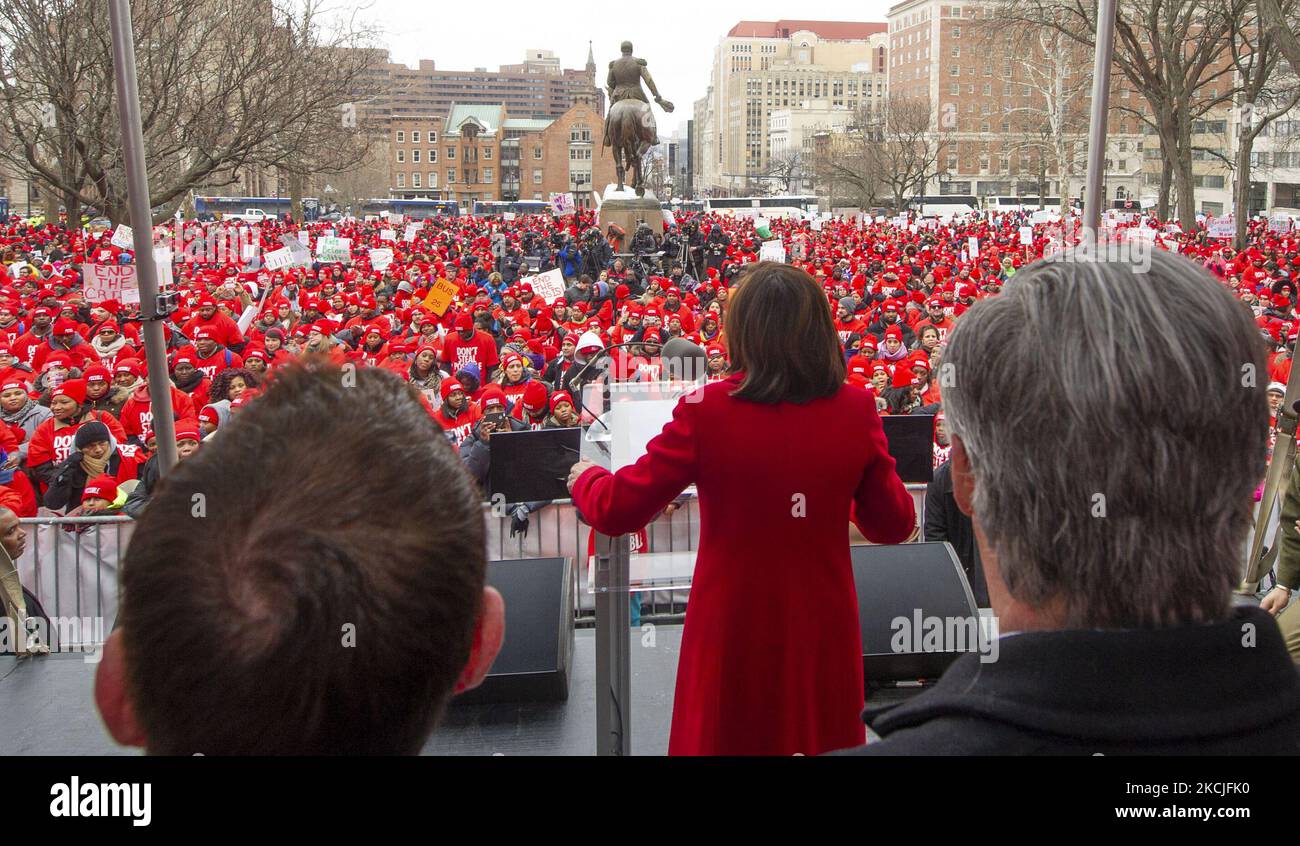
(782, 206)
(944, 205)
(520, 208)
(420, 208)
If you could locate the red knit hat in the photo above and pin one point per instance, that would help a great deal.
(100, 487)
(535, 396)
(450, 386)
(464, 321)
(74, 389)
(559, 397)
(493, 393)
(894, 332)
(97, 373)
(902, 377)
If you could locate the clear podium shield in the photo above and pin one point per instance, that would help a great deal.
(627, 416)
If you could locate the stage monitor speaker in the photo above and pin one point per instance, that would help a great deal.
(912, 583)
(537, 655)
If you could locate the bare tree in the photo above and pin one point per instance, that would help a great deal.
(786, 168)
(224, 84)
(1173, 53)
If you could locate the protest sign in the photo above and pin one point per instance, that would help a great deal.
(440, 296)
(549, 285)
(973, 246)
(123, 237)
(1027, 235)
(110, 282)
(412, 229)
(331, 249)
(380, 259)
(772, 251)
(562, 204)
(278, 259)
(388, 234)
(1222, 227)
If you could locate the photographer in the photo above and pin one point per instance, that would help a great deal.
(715, 247)
(596, 253)
(570, 258)
(476, 452)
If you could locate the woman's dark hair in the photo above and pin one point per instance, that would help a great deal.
(781, 337)
(219, 389)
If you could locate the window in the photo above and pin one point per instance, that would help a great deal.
(415, 179)
(955, 88)
(415, 139)
(537, 177)
(401, 155)
(415, 156)
(956, 32)
(451, 154)
(488, 175)
(433, 179)
(537, 153)
(401, 179)
(954, 71)
(988, 89)
(433, 156)
(956, 52)
(487, 153)
(401, 137)
(433, 136)
(984, 127)
(451, 175)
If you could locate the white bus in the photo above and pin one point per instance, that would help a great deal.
(801, 207)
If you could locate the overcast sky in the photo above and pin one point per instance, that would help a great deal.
(677, 37)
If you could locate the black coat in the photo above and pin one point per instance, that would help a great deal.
(1187, 690)
(945, 522)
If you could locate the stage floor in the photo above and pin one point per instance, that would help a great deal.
(49, 708)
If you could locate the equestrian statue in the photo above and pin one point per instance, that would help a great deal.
(630, 127)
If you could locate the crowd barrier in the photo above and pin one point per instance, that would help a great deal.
(71, 563)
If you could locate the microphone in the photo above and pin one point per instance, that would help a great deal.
(683, 360)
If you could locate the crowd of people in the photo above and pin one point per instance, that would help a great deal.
(499, 356)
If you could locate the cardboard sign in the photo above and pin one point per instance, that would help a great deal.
(973, 246)
(123, 237)
(562, 204)
(508, 216)
(304, 237)
(330, 249)
(278, 259)
(381, 259)
(772, 251)
(1223, 227)
(110, 282)
(412, 229)
(162, 259)
(1280, 225)
(816, 224)
(298, 252)
(549, 285)
(394, 218)
(388, 234)
(1027, 235)
(440, 297)
(248, 252)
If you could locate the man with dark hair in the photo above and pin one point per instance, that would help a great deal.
(269, 608)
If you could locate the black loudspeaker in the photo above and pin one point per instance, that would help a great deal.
(537, 654)
(903, 590)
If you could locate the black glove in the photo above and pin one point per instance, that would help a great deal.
(519, 520)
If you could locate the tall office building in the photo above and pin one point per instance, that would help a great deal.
(762, 66)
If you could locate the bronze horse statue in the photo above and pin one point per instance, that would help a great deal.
(632, 132)
(630, 127)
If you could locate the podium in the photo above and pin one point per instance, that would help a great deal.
(630, 415)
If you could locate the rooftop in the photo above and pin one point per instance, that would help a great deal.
(830, 30)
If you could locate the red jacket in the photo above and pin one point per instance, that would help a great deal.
(773, 547)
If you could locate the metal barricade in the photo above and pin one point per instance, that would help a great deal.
(70, 565)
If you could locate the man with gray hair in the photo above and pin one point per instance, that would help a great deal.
(1108, 429)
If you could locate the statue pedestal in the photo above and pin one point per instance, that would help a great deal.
(626, 209)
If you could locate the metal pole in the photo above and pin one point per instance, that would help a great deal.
(613, 647)
(137, 184)
(1093, 198)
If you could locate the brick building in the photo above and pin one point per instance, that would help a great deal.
(480, 152)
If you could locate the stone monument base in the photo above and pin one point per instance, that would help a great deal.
(626, 209)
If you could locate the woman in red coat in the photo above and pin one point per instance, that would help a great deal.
(784, 455)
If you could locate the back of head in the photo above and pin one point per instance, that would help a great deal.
(1115, 428)
(781, 335)
(309, 584)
